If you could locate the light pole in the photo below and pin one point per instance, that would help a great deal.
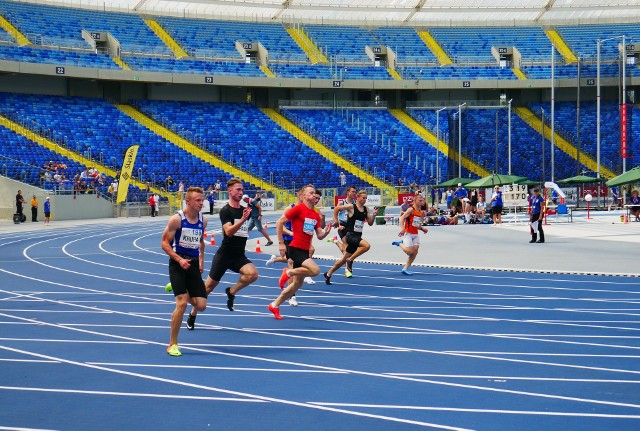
(509, 133)
(598, 97)
(460, 139)
(553, 110)
(438, 143)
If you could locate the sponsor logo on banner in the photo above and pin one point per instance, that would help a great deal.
(405, 197)
(125, 173)
(268, 204)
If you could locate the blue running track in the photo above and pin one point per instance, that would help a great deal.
(84, 324)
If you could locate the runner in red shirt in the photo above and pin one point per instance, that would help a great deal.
(304, 222)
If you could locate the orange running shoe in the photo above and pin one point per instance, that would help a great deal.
(283, 278)
(275, 311)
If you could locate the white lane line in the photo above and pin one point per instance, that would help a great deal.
(127, 394)
(456, 409)
(237, 393)
(203, 367)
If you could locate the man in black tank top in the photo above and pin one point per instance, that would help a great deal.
(357, 215)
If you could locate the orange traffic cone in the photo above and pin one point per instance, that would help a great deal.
(258, 250)
(213, 239)
(266, 225)
(205, 234)
(626, 218)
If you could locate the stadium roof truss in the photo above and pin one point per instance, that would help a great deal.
(382, 12)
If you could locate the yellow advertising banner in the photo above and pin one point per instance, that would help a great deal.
(125, 173)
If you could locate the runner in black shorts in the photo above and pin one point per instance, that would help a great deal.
(231, 255)
(342, 218)
(183, 241)
(357, 214)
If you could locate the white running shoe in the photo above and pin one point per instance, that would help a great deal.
(309, 280)
(293, 301)
(271, 260)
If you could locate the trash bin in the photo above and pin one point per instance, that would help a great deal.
(380, 218)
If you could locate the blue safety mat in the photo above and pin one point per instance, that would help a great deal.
(84, 324)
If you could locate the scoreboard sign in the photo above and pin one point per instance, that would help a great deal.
(512, 195)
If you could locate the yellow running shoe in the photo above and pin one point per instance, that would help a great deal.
(173, 350)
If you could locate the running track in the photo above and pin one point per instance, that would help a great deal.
(84, 324)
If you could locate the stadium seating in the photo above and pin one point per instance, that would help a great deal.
(565, 120)
(473, 44)
(217, 39)
(345, 44)
(5, 37)
(189, 65)
(56, 57)
(243, 135)
(582, 39)
(406, 44)
(479, 142)
(61, 26)
(456, 72)
(350, 138)
(96, 128)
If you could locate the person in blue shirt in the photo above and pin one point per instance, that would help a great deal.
(496, 205)
(615, 198)
(212, 200)
(537, 215)
(634, 200)
(47, 210)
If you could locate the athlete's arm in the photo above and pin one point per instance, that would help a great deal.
(231, 228)
(322, 233)
(339, 208)
(201, 255)
(372, 218)
(168, 236)
(279, 230)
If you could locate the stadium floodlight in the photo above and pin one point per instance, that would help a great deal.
(438, 143)
(598, 97)
(460, 138)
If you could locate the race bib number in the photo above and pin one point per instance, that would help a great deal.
(190, 238)
(244, 229)
(358, 225)
(417, 222)
(309, 226)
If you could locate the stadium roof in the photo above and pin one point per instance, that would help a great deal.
(383, 12)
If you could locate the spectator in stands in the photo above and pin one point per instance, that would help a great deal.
(19, 202)
(34, 209)
(634, 200)
(537, 214)
(147, 187)
(169, 182)
(57, 177)
(496, 205)
(406, 205)
(217, 186)
(47, 176)
(343, 180)
(180, 190)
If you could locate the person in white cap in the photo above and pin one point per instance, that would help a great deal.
(256, 216)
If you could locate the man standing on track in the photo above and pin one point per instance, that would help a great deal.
(230, 255)
(304, 222)
(357, 214)
(183, 241)
(537, 214)
(411, 222)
